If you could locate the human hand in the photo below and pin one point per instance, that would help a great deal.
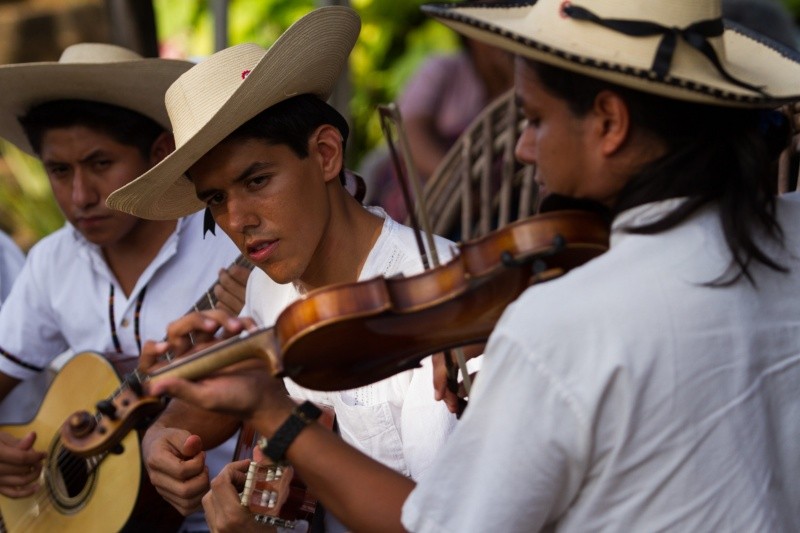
(230, 290)
(245, 390)
(20, 465)
(222, 505)
(175, 462)
(191, 332)
(453, 397)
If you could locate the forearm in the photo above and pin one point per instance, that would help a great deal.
(213, 428)
(364, 494)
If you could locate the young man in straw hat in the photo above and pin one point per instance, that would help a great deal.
(654, 388)
(107, 280)
(258, 146)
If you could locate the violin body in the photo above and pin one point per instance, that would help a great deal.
(347, 336)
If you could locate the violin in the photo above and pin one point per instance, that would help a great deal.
(353, 334)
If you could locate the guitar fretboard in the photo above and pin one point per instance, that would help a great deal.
(208, 300)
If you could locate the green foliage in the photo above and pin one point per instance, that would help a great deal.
(27, 208)
(395, 38)
(794, 7)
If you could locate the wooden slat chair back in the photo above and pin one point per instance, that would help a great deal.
(478, 187)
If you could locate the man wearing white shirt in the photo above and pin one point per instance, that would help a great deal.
(106, 280)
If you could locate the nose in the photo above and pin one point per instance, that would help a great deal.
(84, 193)
(239, 217)
(525, 151)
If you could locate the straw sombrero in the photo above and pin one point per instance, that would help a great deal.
(229, 88)
(88, 71)
(680, 49)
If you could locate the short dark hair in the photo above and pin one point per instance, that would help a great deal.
(714, 154)
(291, 122)
(123, 125)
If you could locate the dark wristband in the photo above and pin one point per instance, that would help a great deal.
(302, 415)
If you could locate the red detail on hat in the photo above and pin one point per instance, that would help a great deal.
(561, 12)
(245, 73)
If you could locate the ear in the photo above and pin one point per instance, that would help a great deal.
(326, 144)
(161, 147)
(613, 121)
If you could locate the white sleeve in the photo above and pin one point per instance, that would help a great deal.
(425, 424)
(520, 447)
(29, 334)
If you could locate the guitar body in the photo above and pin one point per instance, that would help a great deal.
(78, 494)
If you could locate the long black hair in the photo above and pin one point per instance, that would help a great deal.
(714, 154)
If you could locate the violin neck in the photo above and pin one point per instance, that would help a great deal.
(260, 344)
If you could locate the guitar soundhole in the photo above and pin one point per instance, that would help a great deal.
(70, 478)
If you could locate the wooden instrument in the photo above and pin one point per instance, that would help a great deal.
(104, 491)
(274, 493)
(77, 494)
(353, 334)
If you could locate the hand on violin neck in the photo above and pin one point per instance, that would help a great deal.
(245, 390)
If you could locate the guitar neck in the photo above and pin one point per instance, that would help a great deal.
(209, 300)
(262, 344)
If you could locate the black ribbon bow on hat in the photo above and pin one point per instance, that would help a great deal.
(208, 223)
(695, 35)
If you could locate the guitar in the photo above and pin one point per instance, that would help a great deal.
(274, 493)
(105, 491)
(76, 494)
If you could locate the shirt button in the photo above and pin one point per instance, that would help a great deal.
(125, 322)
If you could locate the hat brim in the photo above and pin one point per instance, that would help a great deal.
(138, 85)
(598, 52)
(306, 59)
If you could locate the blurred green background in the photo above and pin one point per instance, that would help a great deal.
(394, 40)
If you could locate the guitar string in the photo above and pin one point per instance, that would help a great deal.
(42, 500)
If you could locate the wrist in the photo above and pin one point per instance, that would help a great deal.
(301, 416)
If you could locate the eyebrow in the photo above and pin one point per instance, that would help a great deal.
(258, 166)
(97, 154)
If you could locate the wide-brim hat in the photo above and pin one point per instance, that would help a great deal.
(94, 72)
(680, 49)
(214, 98)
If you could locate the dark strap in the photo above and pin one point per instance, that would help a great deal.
(695, 35)
(208, 223)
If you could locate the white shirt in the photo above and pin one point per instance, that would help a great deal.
(395, 421)
(629, 396)
(61, 301)
(11, 261)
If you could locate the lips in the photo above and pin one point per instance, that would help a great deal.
(91, 221)
(260, 250)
